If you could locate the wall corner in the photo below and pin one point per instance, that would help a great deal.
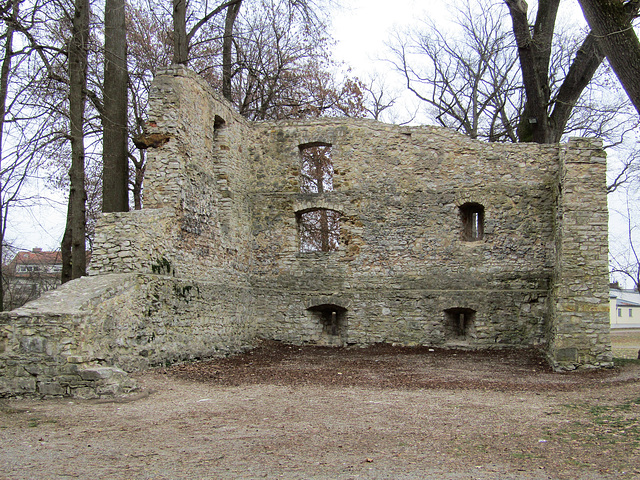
(578, 330)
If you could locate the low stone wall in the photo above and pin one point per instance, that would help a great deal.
(81, 339)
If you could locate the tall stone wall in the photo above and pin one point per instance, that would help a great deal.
(214, 260)
(402, 262)
(196, 219)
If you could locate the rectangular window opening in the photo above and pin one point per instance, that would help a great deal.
(459, 324)
(319, 230)
(472, 216)
(316, 171)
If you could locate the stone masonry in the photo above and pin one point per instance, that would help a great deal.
(214, 260)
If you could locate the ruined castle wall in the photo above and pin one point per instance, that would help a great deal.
(402, 261)
(213, 261)
(195, 220)
(169, 282)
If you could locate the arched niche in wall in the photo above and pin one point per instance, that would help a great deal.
(218, 123)
(332, 317)
(459, 324)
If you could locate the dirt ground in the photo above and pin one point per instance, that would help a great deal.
(321, 413)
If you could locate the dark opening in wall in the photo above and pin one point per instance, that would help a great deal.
(459, 323)
(331, 317)
(218, 123)
(316, 171)
(318, 230)
(472, 216)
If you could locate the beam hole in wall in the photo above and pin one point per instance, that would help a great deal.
(332, 319)
(318, 230)
(316, 170)
(218, 123)
(472, 216)
(459, 324)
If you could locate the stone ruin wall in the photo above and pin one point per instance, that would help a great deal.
(402, 261)
(212, 262)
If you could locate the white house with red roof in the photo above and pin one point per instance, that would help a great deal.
(29, 275)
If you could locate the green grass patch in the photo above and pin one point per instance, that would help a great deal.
(36, 422)
(619, 362)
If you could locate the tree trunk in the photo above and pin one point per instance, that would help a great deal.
(227, 49)
(588, 59)
(65, 248)
(180, 42)
(5, 70)
(140, 166)
(77, 97)
(115, 174)
(610, 22)
(534, 54)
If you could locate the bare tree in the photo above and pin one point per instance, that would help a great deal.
(284, 69)
(625, 259)
(227, 48)
(319, 230)
(20, 126)
(545, 115)
(530, 82)
(611, 22)
(316, 172)
(195, 29)
(184, 34)
(378, 98)
(5, 70)
(469, 80)
(76, 215)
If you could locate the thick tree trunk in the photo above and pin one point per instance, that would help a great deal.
(180, 41)
(536, 123)
(227, 49)
(534, 53)
(77, 97)
(115, 174)
(611, 24)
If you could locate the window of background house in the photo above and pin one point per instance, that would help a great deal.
(472, 215)
(619, 312)
(631, 312)
(319, 230)
(317, 168)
